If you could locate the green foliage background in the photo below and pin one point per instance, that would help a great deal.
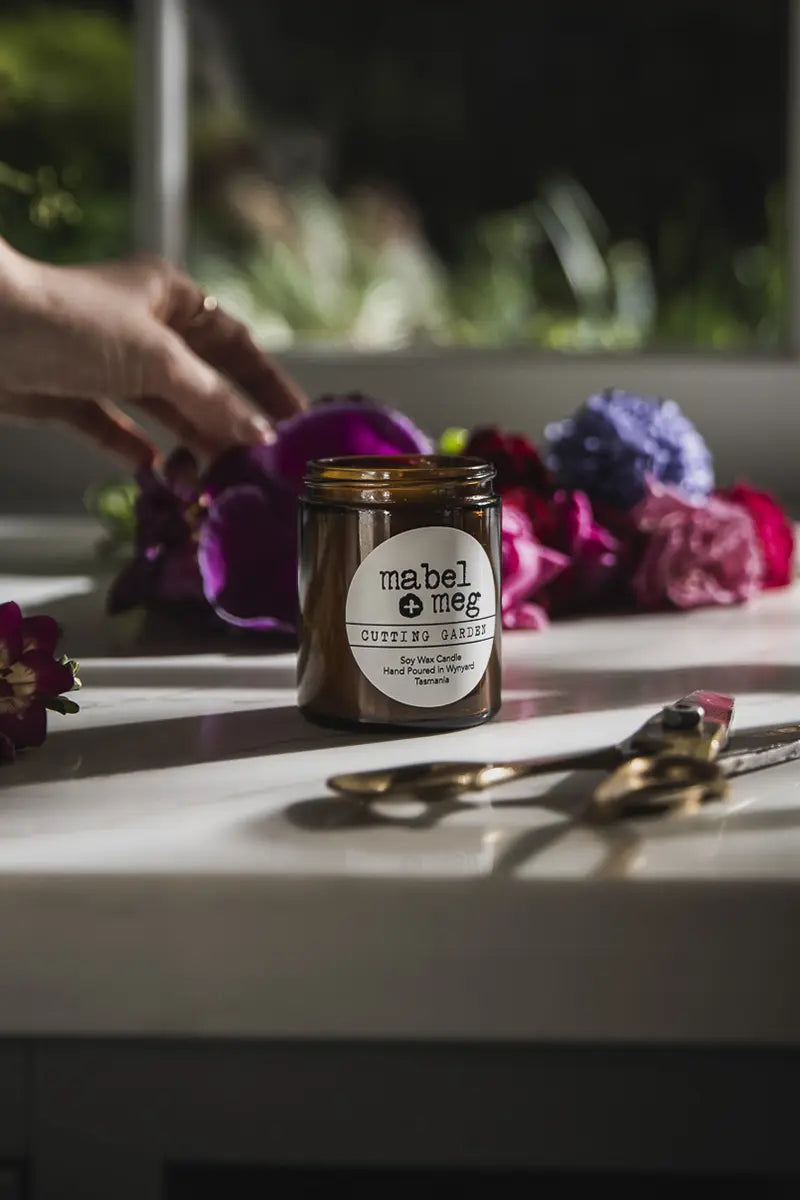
(545, 273)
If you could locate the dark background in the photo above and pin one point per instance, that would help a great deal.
(670, 116)
(659, 107)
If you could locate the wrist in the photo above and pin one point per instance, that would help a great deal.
(18, 275)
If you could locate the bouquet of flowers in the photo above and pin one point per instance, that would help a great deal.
(615, 512)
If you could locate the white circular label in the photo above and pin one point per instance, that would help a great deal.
(421, 615)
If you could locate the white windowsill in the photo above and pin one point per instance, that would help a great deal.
(748, 408)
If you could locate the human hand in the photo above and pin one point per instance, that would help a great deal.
(76, 343)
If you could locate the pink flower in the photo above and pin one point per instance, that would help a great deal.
(694, 554)
(565, 521)
(31, 679)
(528, 567)
(774, 529)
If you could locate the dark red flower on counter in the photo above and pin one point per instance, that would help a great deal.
(31, 679)
(775, 531)
(515, 458)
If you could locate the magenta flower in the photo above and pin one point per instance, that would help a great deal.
(565, 521)
(334, 427)
(594, 553)
(226, 540)
(248, 543)
(31, 679)
(247, 554)
(528, 567)
(694, 554)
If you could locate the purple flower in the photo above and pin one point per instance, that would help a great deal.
(352, 425)
(528, 567)
(248, 546)
(228, 538)
(31, 679)
(611, 445)
(248, 556)
(163, 574)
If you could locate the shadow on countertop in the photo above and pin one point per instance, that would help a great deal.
(89, 632)
(567, 691)
(109, 750)
(621, 844)
(152, 744)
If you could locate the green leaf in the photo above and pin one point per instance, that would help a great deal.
(114, 505)
(72, 665)
(61, 704)
(453, 441)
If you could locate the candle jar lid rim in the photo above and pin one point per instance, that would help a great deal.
(417, 469)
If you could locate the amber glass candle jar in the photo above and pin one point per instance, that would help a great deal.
(400, 592)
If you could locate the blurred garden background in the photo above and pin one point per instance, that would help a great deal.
(567, 175)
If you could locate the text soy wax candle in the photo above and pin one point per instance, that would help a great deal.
(400, 592)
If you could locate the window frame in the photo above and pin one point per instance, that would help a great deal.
(745, 404)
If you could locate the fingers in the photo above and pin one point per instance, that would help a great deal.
(198, 396)
(216, 337)
(226, 344)
(112, 430)
(169, 417)
(97, 420)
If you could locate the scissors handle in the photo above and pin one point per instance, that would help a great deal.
(679, 773)
(439, 780)
(654, 784)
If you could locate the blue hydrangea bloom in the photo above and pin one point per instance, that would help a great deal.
(611, 444)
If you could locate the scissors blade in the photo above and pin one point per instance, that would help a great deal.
(755, 749)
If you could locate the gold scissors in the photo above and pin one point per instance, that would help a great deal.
(681, 758)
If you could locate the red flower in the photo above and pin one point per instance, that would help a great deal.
(775, 532)
(31, 679)
(516, 460)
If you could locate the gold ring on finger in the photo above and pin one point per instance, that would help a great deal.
(208, 305)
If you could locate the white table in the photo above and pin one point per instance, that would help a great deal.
(172, 867)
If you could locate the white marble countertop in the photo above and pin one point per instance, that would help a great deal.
(170, 861)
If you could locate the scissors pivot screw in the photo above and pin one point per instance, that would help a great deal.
(682, 715)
